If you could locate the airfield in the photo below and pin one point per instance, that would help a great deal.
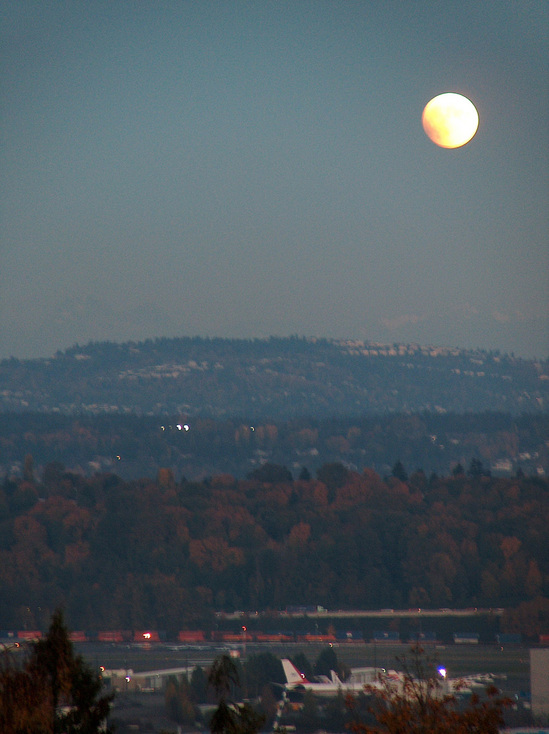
(145, 707)
(508, 664)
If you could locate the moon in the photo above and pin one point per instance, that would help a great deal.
(450, 120)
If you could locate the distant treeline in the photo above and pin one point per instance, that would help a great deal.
(134, 447)
(164, 554)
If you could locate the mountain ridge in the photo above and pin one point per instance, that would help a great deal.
(278, 377)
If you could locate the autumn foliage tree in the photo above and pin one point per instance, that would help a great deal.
(23, 707)
(133, 554)
(418, 704)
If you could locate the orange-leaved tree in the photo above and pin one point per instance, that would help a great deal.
(417, 703)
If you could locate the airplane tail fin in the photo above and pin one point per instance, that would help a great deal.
(293, 676)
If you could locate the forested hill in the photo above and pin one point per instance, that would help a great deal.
(276, 378)
(165, 554)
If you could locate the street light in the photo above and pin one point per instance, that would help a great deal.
(443, 673)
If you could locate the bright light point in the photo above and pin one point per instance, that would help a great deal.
(186, 427)
(450, 120)
(163, 428)
(442, 672)
(179, 427)
(147, 635)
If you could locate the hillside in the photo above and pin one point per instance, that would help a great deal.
(277, 378)
(165, 554)
(138, 446)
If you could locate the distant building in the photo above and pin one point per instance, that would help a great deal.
(349, 636)
(466, 638)
(424, 638)
(385, 636)
(509, 638)
(539, 681)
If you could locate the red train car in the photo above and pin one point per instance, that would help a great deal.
(111, 636)
(78, 637)
(29, 635)
(234, 637)
(273, 637)
(191, 636)
(316, 638)
(146, 636)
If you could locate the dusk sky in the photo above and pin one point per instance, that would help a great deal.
(246, 169)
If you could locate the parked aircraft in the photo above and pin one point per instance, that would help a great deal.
(368, 679)
(465, 684)
(328, 686)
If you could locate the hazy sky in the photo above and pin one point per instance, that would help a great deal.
(244, 169)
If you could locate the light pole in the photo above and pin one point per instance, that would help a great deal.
(443, 674)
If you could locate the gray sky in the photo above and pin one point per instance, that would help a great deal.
(244, 169)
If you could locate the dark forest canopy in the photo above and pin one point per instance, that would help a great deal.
(164, 554)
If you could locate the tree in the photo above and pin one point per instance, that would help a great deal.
(333, 475)
(230, 717)
(476, 469)
(326, 662)
(89, 710)
(199, 684)
(304, 475)
(419, 705)
(28, 468)
(23, 705)
(271, 473)
(73, 687)
(223, 677)
(399, 472)
(53, 473)
(177, 697)
(458, 470)
(269, 703)
(309, 712)
(261, 670)
(335, 712)
(54, 691)
(53, 659)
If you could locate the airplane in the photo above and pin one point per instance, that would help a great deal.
(328, 686)
(467, 683)
(366, 680)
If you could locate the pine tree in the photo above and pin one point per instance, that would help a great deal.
(54, 691)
